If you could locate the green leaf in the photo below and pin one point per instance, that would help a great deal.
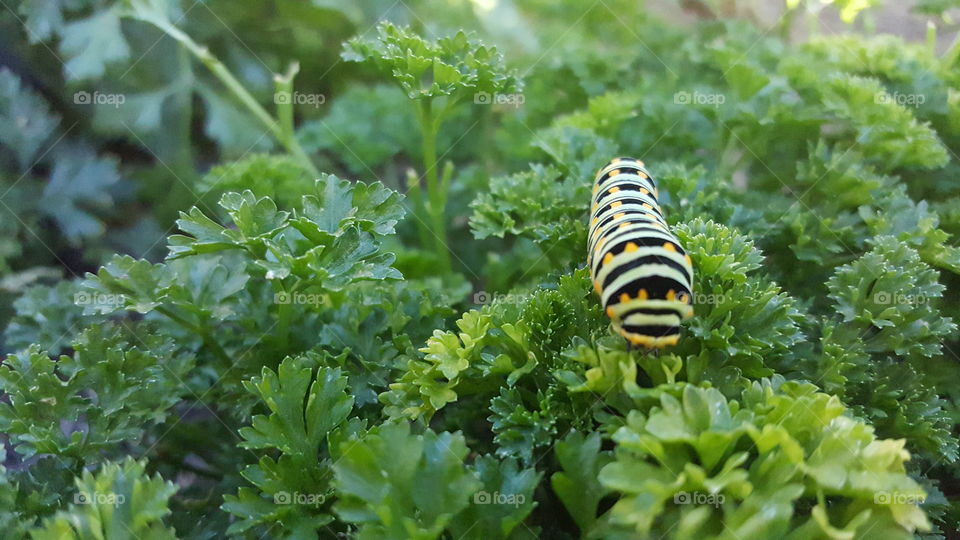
(92, 43)
(126, 283)
(890, 293)
(47, 316)
(505, 499)
(329, 244)
(305, 406)
(364, 128)
(461, 67)
(337, 202)
(519, 432)
(394, 484)
(291, 428)
(232, 128)
(26, 122)
(577, 483)
(119, 501)
(279, 177)
(136, 386)
(39, 400)
(741, 320)
(679, 472)
(79, 186)
(885, 130)
(44, 18)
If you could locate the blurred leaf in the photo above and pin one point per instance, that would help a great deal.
(90, 44)
(26, 122)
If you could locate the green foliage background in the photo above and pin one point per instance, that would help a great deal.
(315, 269)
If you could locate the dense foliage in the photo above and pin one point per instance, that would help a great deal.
(371, 317)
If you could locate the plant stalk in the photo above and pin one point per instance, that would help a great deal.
(436, 198)
(284, 136)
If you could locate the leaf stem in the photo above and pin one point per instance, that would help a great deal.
(283, 135)
(436, 197)
(284, 313)
(415, 194)
(283, 92)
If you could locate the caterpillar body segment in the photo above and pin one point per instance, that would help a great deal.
(642, 274)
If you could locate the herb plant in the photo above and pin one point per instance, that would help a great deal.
(356, 306)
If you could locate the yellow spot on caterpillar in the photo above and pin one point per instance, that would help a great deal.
(639, 340)
(671, 295)
(622, 225)
(619, 215)
(602, 240)
(630, 247)
(616, 160)
(643, 191)
(610, 312)
(640, 163)
(656, 193)
(687, 258)
(672, 340)
(616, 204)
(596, 286)
(642, 295)
(594, 207)
(642, 174)
(595, 220)
(613, 173)
(614, 190)
(647, 206)
(624, 298)
(596, 188)
(607, 258)
(669, 247)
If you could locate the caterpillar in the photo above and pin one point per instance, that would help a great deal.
(643, 275)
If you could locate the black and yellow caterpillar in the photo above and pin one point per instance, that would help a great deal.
(642, 274)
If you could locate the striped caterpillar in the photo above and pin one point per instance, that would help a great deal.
(637, 266)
